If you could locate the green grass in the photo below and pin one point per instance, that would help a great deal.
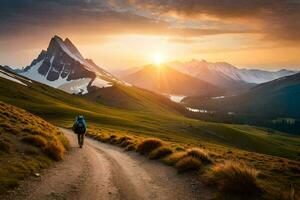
(255, 175)
(142, 114)
(145, 114)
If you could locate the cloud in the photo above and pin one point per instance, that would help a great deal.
(277, 19)
(23, 17)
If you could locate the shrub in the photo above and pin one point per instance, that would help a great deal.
(188, 163)
(179, 148)
(64, 141)
(199, 154)
(55, 150)
(114, 140)
(113, 136)
(97, 137)
(130, 147)
(148, 145)
(122, 140)
(125, 143)
(174, 158)
(160, 152)
(104, 138)
(35, 140)
(236, 178)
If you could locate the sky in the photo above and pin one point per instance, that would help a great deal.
(119, 34)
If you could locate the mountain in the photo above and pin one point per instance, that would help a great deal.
(14, 70)
(62, 66)
(226, 75)
(165, 79)
(125, 72)
(274, 99)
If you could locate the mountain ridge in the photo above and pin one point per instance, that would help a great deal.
(165, 79)
(223, 71)
(274, 99)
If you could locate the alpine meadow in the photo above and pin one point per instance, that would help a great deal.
(176, 100)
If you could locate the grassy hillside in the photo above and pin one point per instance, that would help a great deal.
(27, 144)
(237, 174)
(145, 114)
(153, 117)
(275, 104)
(278, 98)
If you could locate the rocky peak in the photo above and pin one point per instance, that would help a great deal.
(61, 64)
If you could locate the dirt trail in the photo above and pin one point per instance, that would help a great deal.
(102, 171)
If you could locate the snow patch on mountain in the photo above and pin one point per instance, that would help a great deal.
(200, 69)
(176, 98)
(62, 66)
(78, 86)
(33, 74)
(101, 83)
(5, 75)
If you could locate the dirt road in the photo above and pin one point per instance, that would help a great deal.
(102, 171)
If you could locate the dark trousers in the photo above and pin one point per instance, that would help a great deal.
(80, 138)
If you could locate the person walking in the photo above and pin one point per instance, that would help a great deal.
(79, 128)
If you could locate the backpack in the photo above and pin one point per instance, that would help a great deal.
(80, 127)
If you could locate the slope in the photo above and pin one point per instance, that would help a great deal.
(27, 144)
(227, 75)
(274, 99)
(152, 118)
(167, 80)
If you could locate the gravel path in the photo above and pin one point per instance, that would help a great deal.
(102, 171)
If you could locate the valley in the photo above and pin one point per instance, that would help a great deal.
(180, 111)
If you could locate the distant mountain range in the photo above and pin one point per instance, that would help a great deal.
(62, 66)
(165, 79)
(277, 98)
(222, 72)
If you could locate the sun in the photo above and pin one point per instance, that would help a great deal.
(158, 59)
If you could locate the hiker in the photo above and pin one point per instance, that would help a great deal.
(79, 128)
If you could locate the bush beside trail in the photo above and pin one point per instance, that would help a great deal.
(27, 144)
(188, 160)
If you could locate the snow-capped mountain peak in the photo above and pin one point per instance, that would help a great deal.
(225, 74)
(62, 66)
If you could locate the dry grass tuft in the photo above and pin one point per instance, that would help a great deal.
(130, 147)
(65, 142)
(174, 158)
(125, 143)
(160, 152)
(35, 140)
(104, 138)
(188, 163)
(236, 178)
(26, 144)
(199, 154)
(148, 145)
(55, 150)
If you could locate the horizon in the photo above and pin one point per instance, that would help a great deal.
(116, 69)
(104, 30)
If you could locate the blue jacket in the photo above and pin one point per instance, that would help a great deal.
(78, 120)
